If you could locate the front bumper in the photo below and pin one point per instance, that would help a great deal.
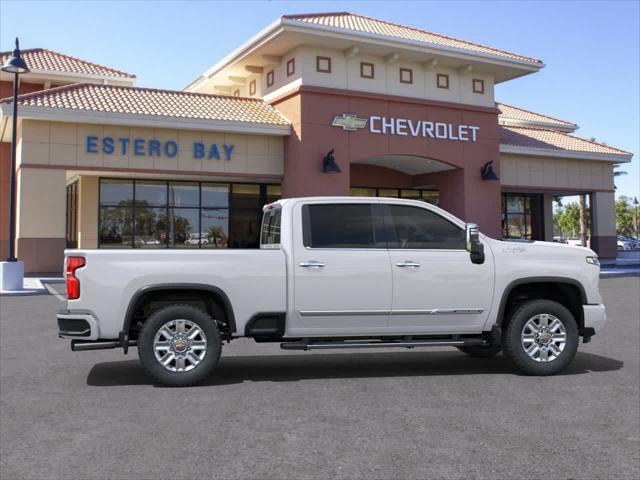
(81, 325)
(595, 316)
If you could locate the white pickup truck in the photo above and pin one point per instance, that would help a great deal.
(332, 273)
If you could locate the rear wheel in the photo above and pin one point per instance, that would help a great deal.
(541, 337)
(179, 345)
(481, 351)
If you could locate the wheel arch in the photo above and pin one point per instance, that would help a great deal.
(145, 294)
(566, 291)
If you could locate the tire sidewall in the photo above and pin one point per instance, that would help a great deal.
(512, 343)
(160, 318)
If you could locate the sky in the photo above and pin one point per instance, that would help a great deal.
(591, 49)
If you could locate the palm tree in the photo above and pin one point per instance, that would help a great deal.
(617, 173)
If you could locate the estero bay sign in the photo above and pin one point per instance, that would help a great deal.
(160, 148)
(408, 127)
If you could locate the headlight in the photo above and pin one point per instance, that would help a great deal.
(593, 260)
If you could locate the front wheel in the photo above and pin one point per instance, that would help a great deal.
(179, 345)
(541, 337)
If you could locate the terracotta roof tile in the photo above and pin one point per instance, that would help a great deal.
(360, 23)
(48, 60)
(553, 140)
(516, 113)
(147, 101)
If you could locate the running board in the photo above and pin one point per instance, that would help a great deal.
(83, 345)
(316, 345)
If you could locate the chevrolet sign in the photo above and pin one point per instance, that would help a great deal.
(349, 122)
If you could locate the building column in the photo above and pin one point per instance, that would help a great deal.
(603, 225)
(88, 212)
(40, 232)
(547, 217)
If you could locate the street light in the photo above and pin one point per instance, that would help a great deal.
(12, 270)
(635, 214)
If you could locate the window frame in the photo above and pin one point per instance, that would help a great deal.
(480, 82)
(252, 88)
(270, 78)
(291, 66)
(410, 72)
(319, 58)
(378, 230)
(445, 77)
(373, 70)
(390, 230)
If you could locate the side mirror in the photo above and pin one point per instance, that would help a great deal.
(474, 245)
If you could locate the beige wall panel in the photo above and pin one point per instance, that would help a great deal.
(42, 203)
(35, 131)
(276, 146)
(34, 153)
(64, 133)
(60, 154)
(396, 87)
(378, 84)
(257, 144)
(603, 209)
(88, 212)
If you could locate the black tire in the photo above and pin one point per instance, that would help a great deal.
(146, 345)
(481, 351)
(514, 349)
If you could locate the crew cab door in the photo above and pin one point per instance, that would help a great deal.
(341, 270)
(436, 288)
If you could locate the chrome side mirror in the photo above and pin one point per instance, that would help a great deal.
(474, 245)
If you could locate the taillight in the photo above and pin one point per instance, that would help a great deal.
(73, 284)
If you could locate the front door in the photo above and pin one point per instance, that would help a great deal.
(436, 288)
(342, 274)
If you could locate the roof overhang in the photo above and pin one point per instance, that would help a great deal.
(571, 154)
(511, 122)
(42, 76)
(286, 34)
(133, 120)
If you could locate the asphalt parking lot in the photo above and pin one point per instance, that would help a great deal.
(275, 414)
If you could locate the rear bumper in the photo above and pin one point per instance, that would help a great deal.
(81, 325)
(595, 316)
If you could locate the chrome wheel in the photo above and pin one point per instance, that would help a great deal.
(180, 345)
(543, 337)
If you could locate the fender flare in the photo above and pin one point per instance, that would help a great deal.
(178, 286)
(525, 280)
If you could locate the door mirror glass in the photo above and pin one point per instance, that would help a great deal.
(474, 245)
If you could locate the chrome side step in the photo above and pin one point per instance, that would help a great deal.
(84, 345)
(325, 345)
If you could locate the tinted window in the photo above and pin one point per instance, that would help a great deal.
(418, 228)
(271, 227)
(339, 226)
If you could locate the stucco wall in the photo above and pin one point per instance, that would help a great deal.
(345, 74)
(64, 144)
(555, 173)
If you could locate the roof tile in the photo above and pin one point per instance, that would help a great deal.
(48, 60)
(147, 101)
(553, 140)
(516, 113)
(360, 23)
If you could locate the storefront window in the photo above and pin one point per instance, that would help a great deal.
(520, 216)
(161, 214)
(72, 215)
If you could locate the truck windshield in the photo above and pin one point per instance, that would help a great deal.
(270, 234)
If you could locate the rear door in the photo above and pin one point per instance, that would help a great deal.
(436, 288)
(342, 274)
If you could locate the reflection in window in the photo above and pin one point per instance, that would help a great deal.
(518, 213)
(430, 196)
(339, 226)
(151, 226)
(417, 228)
(116, 226)
(246, 216)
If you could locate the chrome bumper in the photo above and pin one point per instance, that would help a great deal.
(77, 325)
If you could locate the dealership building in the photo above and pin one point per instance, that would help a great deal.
(317, 104)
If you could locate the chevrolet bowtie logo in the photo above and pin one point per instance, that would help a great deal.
(349, 122)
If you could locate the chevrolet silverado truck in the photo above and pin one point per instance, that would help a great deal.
(336, 273)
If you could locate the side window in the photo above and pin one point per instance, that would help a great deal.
(271, 228)
(341, 226)
(418, 228)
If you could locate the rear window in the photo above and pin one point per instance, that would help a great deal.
(270, 234)
(341, 226)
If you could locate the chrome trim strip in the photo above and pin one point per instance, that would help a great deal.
(435, 311)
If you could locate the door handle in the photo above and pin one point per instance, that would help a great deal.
(408, 264)
(312, 264)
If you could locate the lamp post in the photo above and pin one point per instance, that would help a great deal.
(635, 214)
(12, 270)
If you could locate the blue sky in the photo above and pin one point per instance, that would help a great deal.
(591, 49)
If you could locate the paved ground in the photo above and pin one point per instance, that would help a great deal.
(271, 414)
